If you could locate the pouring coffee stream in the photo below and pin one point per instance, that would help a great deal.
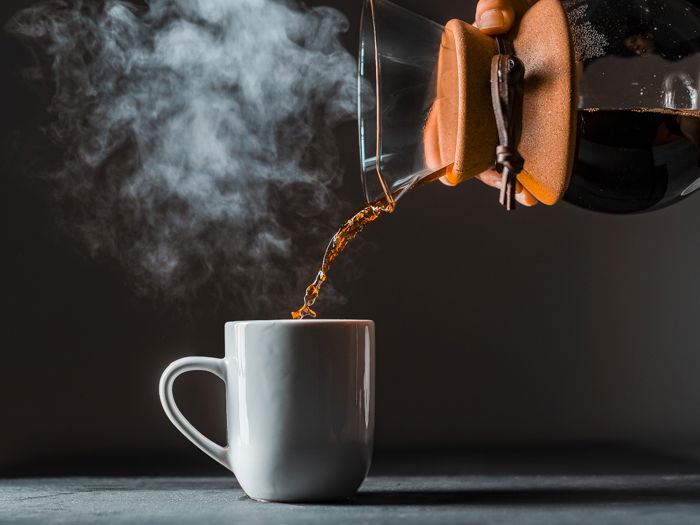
(347, 232)
(340, 240)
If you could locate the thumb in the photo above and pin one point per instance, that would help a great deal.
(494, 17)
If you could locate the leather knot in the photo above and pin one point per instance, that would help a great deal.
(509, 157)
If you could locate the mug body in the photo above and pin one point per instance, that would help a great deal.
(300, 404)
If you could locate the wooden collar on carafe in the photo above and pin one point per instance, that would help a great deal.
(507, 79)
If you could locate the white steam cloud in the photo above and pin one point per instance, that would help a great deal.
(198, 138)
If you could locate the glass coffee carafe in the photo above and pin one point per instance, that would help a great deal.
(637, 77)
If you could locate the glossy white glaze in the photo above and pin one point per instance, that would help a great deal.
(300, 406)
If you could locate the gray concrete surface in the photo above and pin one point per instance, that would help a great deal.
(383, 499)
(614, 488)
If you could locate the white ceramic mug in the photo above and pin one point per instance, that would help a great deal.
(299, 403)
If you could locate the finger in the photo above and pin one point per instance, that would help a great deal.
(526, 198)
(494, 179)
(494, 17)
(490, 178)
(446, 181)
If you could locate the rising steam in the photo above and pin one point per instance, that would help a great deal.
(197, 137)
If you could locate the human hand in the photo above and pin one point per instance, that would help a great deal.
(495, 17)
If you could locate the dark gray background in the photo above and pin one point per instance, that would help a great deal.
(548, 325)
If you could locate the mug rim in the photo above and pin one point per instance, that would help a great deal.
(302, 321)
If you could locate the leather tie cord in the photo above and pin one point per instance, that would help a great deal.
(507, 76)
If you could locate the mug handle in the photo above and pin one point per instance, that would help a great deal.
(188, 364)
